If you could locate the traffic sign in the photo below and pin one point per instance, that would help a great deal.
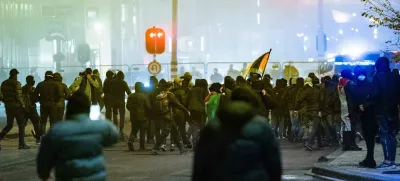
(155, 41)
(154, 68)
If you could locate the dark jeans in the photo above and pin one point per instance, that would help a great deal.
(388, 126)
(60, 113)
(109, 104)
(119, 107)
(197, 123)
(33, 115)
(167, 127)
(138, 125)
(18, 114)
(370, 129)
(47, 111)
(278, 123)
(180, 120)
(316, 123)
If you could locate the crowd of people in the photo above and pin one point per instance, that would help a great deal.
(240, 120)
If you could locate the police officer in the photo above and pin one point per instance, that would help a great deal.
(30, 113)
(12, 91)
(49, 95)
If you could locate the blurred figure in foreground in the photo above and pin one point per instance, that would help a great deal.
(74, 147)
(240, 146)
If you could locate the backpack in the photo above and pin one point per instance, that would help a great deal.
(161, 105)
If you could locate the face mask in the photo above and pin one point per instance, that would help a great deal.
(361, 77)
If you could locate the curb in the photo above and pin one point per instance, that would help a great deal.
(344, 175)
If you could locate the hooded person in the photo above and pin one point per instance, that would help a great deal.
(181, 91)
(119, 89)
(328, 101)
(86, 84)
(98, 92)
(152, 91)
(49, 94)
(385, 100)
(30, 111)
(197, 109)
(212, 101)
(290, 99)
(348, 110)
(139, 107)
(240, 81)
(229, 85)
(278, 113)
(163, 110)
(64, 96)
(311, 98)
(239, 126)
(108, 97)
(80, 140)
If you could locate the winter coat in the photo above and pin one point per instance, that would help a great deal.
(311, 96)
(328, 98)
(74, 149)
(28, 94)
(277, 96)
(196, 98)
(86, 85)
(290, 97)
(64, 94)
(107, 90)
(181, 95)
(238, 147)
(385, 90)
(139, 106)
(48, 92)
(12, 93)
(119, 88)
(172, 103)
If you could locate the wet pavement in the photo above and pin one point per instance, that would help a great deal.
(19, 165)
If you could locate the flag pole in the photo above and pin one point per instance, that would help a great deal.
(270, 50)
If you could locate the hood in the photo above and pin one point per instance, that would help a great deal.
(216, 87)
(346, 73)
(300, 81)
(153, 81)
(139, 87)
(335, 79)
(57, 77)
(120, 75)
(240, 80)
(382, 65)
(229, 82)
(308, 81)
(236, 114)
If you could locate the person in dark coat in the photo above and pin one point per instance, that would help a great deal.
(98, 92)
(229, 85)
(152, 92)
(196, 98)
(30, 112)
(240, 146)
(278, 115)
(138, 105)
(164, 104)
(74, 147)
(385, 99)
(311, 97)
(108, 97)
(64, 96)
(14, 104)
(328, 99)
(181, 93)
(119, 89)
(363, 89)
(49, 95)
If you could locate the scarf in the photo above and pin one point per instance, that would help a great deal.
(209, 95)
(343, 82)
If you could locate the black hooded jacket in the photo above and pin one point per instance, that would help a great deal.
(385, 90)
(138, 103)
(120, 87)
(196, 97)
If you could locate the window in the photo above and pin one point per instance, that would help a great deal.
(92, 16)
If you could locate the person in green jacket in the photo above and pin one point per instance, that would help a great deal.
(212, 101)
